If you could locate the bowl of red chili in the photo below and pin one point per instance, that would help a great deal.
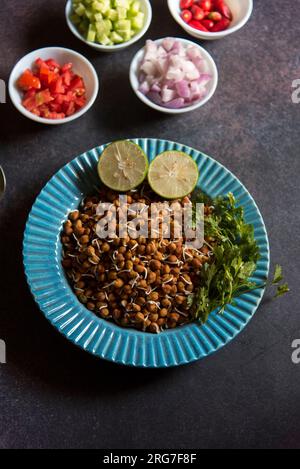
(53, 85)
(211, 19)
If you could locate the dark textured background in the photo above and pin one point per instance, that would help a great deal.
(247, 395)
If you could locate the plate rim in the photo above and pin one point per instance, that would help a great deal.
(149, 339)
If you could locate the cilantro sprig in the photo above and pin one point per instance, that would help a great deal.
(234, 260)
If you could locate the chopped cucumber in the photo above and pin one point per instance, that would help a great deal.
(75, 19)
(91, 36)
(80, 10)
(122, 13)
(126, 35)
(138, 21)
(123, 25)
(116, 38)
(98, 17)
(108, 22)
(122, 3)
(112, 15)
(104, 39)
(134, 8)
(89, 14)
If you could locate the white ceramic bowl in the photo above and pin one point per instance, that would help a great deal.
(211, 87)
(241, 9)
(81, 66)
(145, 7)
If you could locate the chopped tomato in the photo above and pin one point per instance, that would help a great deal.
(67, 77)
(56, 115)
(28, 80)
(71, 109)
(43, 97)
(54, 66)
(45, 111)
(30, 93)
(52, 91)
(29, 103)
(57, 87)
(47, 75)
(44, 72)
(67, 67)
(80, 102)
(39, 62)
(77, 83)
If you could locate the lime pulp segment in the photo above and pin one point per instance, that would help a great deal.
(123, 166)
(173, 174)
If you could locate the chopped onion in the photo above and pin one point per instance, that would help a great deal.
(176, 103)
(172, 74)
(144, 87)
(183, 89)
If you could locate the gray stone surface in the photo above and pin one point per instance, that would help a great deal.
(247, 395)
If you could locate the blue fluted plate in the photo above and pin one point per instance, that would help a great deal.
(50, 288)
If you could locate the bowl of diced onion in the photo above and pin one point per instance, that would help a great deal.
(173, 75)
(109, 25)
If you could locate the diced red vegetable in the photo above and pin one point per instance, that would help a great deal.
(206, 5)
(77, 84)
(198, 13)
(52, 91)
(186, 15)
(67, 77)
(43, 97)
(197, 25)
(223, 8)
(30, 93)
(221, 25)
(29, 103)
(54, 66)
(214, 16)
(56, 115)
(29, 81)
(186, 4)
(206, 15)
(67, 67)
(57, 86)
(80, 102)
(209, 24)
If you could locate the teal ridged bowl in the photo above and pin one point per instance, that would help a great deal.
(51, 290)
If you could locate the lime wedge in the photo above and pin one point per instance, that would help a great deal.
(123, 166)
(173, 175)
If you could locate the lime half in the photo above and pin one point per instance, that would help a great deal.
(123, 166)
(173, 175)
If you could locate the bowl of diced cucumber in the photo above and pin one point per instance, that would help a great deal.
(109, 25)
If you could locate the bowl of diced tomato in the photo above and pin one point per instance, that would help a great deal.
(53, 85)
(211, 19)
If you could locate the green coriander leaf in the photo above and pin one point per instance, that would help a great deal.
(235, 255)
(282, 290)
(278, 277)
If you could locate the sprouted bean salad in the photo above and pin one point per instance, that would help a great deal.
(144, 283)
(154, 278)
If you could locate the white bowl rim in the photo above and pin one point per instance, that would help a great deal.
(211, 35)
(116, 47)
(166, 110)
(43, 120)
